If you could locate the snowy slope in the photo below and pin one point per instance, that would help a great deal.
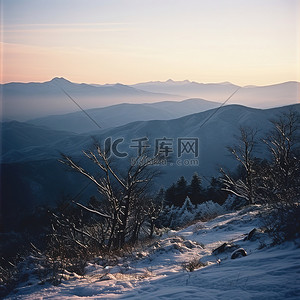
(156, 270)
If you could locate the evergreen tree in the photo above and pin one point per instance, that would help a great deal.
(170, 195)
(187, 205)
(187, 212)
(215, 192)
(181, 192)
(196, 190)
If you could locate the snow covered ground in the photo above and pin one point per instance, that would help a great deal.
(157, 271)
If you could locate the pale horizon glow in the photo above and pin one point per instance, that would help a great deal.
(246, 43)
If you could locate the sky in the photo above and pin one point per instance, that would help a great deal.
(130, 41)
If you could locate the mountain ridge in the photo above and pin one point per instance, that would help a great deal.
(267, 96)
(120, 114)
(23, 101)
(35, 169)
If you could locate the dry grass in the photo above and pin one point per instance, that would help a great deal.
(193, 265)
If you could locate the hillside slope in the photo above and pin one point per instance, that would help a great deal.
(157, 271)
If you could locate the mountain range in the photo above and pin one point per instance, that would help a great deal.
(25, 101)
(31, 174)
(169, 112)
(215, 129)
(121, 114)
(253, 96)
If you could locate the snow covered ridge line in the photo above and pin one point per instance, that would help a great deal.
(159, 270)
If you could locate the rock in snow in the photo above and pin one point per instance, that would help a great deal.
(238, 253)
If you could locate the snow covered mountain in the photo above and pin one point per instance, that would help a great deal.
(121, 114)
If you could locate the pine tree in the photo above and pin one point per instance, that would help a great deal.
(187, 205)
(215, 191)
(181, 192)
(196, 190)
(170, 195)
(187, 212)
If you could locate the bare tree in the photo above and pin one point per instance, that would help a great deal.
(124, 195)
(243, 153)
(281, 177)
(276, 179)
(282, 180)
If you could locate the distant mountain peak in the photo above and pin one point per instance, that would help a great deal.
(60, 79)
(225, 82)
(170, 81)
(178, 82)
(120, 84)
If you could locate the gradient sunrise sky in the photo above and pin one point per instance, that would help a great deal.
(95, 41)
